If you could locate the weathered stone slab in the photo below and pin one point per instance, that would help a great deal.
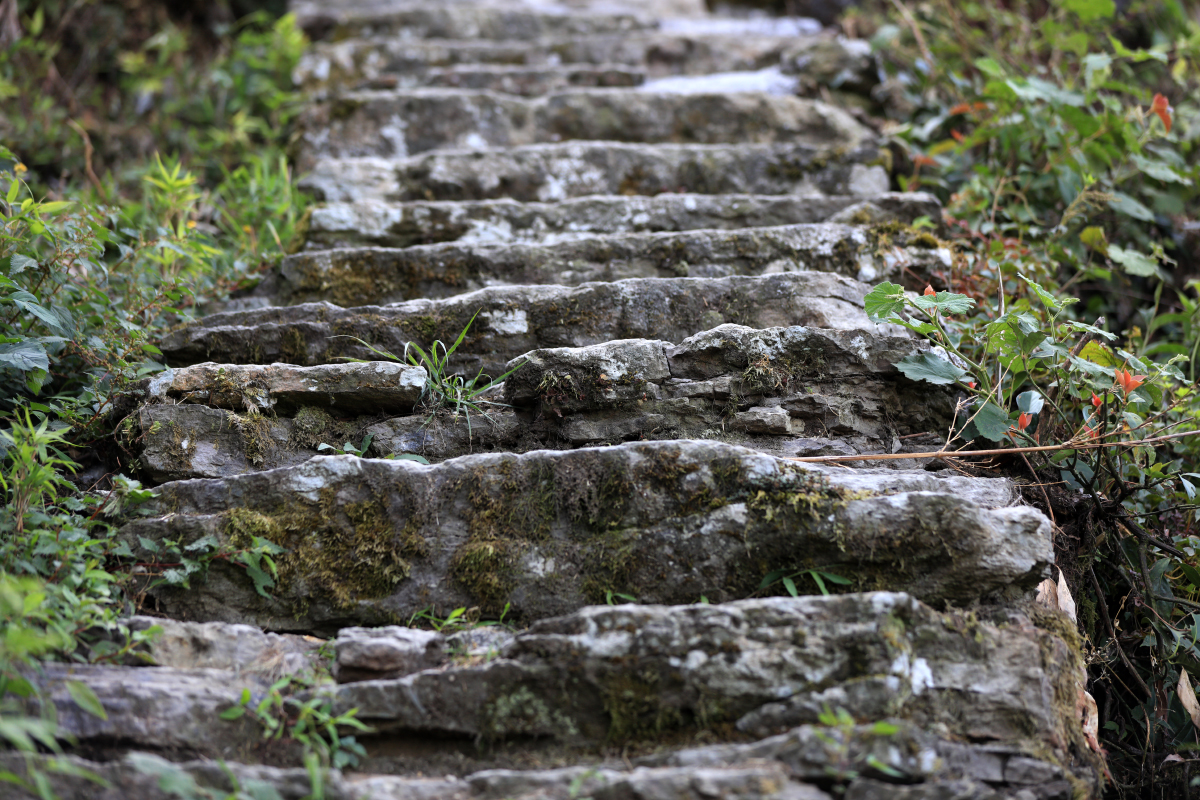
(361, 276)
(381, 224)
(554, 172)
(169, 710)
(329, 65)
(777, 381)
(219, 645)
(525, 81)
(455, 20)
(374, 541)
(629, 673)
(376, 386)
(389, 652)
(516, 319)
(401, 123)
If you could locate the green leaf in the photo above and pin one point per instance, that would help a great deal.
(26, 355)
(1094, 238)
(1030, 402)
(18, 263)
(884, 302)
(409, 457)
(1050, 301)
(946, 302)
(1089, 10)
(1034, 89)
(86, 699)
(1128, 206)
(1135, 263)
(790, 585)
(930, 368)
(989, 67)
(232, 713)
(992, 422)
(1159, 170)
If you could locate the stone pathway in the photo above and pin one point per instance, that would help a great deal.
(668, 248)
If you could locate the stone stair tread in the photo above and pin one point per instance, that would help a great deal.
(553, 172)
(402, 123)
(525, 81)
(329, 66)
(361, 276)
(734, 383)
(516, 319)
(545, 532)
(383, 224)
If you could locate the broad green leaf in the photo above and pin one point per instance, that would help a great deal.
(946, 302)
(993, 422)
(884, 301)
(1128, 206)
(25, 356)
(409, 457)
(1135, 263)
(1030, 402)
(1094, 238)
(930, 368)
(18, 263)
(1034, 89)
(989, 66)
(1089, 10)
(1097, 353)
(86, 699)
(1048, 300)
(1159, 170)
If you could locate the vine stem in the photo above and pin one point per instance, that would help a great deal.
(1001, 451)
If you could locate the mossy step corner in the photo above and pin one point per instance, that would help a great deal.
(554, 172)
(374, 542)
(382, 224)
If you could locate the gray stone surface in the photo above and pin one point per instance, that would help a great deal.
(382, 224)
(554, 172)
(525, 81)
(388, 652)
(401, 123)
(362, 276)
(219, 645)
(377, 386)
(515, 319)
(329, 65)
(542, 533)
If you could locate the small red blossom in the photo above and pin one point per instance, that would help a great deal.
(971, 385)
(956, 135)
(1096, 401)
(1162, 108)
(1128, 381)
(1091, 432)
(1023, 421)
(929, 290)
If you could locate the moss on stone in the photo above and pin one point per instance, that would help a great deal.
(522, 713)
(255, 431)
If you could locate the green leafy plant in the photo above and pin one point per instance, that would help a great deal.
(788, 578)
(839, 728)
(446, 390)
(350, 449)
(286, 714)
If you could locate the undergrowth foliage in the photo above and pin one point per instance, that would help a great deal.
(1062, 139)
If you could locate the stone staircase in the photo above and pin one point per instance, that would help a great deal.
(639, 219)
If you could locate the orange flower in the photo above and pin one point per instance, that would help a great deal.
(971, 385)
(1023, 421)
(956, 135)
(1096, 401)
(1091, 432)
(1128, 381)
(929, 290)
(1162, 108)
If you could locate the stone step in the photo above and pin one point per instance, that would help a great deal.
(515, 319)
(361, 276)
(531, 81)
(555, 172)
(974, 703)
(397, 124)
(459, 20)
(786, 391)
(372, 541)
(329, 66)
(381, 224)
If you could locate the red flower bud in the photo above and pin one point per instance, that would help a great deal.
(1162, 108)
(1023, 421)
(929, 290)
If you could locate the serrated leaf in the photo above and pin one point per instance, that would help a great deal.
(18, 263)
(86, 699)
(884, 301)
(946, 302)
(27, 355)
(1048, 300)
(1128, 206)
(1135, 263)
(930, 368)
(992, 422)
